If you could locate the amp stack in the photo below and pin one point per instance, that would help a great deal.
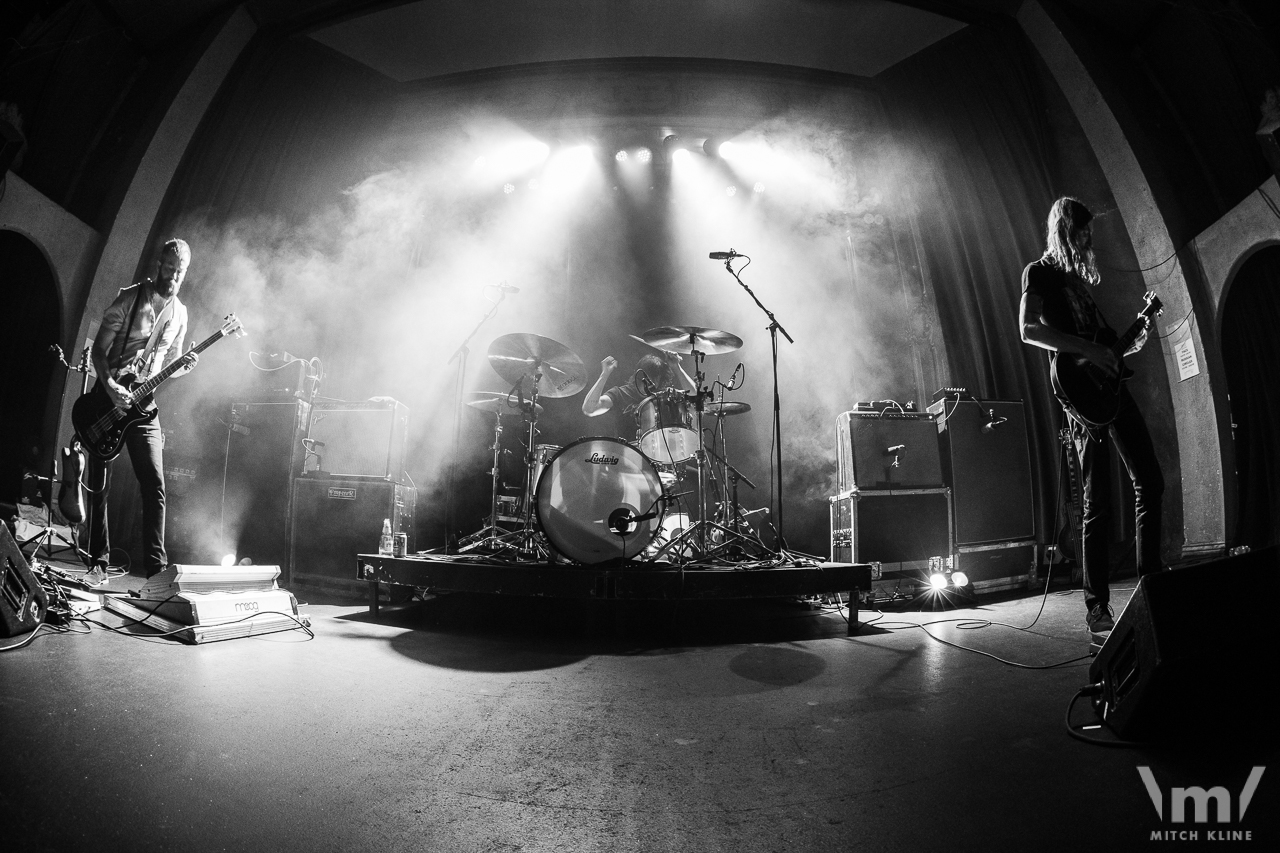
(353, 478)
(893, 505)
(986, 462)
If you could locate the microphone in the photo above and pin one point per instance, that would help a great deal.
(994, 422)
(724, 256)
(733, 380)
(897, 448)
(507, 288)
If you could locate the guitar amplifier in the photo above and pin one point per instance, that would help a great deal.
(333, 520)
(887, 450)
(359, 439)
(884, 526)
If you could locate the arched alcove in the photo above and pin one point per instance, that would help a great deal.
(1250, 352)
(28, 398)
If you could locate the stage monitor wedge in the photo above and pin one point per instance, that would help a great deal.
(1191, 653)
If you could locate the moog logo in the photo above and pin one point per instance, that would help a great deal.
(342, 494)
(601, 459)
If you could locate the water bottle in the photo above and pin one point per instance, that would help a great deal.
(384, 542)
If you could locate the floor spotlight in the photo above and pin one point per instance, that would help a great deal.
(228, 560)
(959, 579)
(938, 580)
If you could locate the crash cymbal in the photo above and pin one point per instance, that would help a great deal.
(726, 408)
(686, 339)
(522, 355)
(499, 404)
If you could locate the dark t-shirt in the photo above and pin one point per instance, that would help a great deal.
(1068, 305)
(625, 398)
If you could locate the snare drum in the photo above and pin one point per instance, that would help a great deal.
(667, 423)
(587, 494)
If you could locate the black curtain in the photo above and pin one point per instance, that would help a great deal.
(1250, 352)
(970, 115)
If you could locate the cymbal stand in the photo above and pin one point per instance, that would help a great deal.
(490, 536)
(774, 327)
(730, 520)
(460, 356)
(527, 540)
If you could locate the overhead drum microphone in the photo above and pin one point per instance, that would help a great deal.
(507, 288)
(724, 256)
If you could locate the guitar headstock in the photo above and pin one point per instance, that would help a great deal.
(1153, 307)
(232, 326)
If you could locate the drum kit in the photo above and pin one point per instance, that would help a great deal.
(602, 499)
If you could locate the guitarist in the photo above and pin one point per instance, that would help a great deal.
(141, 333)
(1058, 314)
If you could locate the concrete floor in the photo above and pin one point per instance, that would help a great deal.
(484, 724)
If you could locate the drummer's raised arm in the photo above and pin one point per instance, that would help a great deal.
(682, 380)
(596, 402)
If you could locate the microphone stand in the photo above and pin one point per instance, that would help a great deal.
(460, 356)
(774, 328)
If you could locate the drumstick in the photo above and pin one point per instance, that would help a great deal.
(651, 346)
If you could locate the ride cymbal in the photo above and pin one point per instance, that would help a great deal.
(686, 339)
(499, 404)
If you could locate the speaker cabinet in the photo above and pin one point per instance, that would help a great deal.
(23, 601)
(1168, 668)
(264, 454)
(987, 464)
(890, 527)
(334, 520)
(889, 450)
(360, 439)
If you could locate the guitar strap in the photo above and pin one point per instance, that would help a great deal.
(117, 349)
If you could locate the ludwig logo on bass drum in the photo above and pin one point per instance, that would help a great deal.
(601, 459)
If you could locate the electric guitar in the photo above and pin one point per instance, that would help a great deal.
(71, 492)
(1084, 388)
(100, 424)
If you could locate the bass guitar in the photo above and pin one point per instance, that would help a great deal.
(1085, 389)
(100, 424)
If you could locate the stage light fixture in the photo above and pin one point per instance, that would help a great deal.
(508, 188)
(726, 150)
(938, 580)
(621, 156)
(644, 155)
(228, 560)
(758, 189)
(681, 155)
(959, 579)
(731, 191)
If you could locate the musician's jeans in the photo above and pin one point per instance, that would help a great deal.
(145, 443)
(1129, 435)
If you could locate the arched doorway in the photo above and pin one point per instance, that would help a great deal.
(31, 325)
(1250, 352)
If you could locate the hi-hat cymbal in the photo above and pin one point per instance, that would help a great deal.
(523, 355)
(725, 408)
(499, 404)
(686, 339)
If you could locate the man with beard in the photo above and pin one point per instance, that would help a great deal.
(142, 332)
(1058, 314)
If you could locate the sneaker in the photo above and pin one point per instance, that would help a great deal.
(1100, 618)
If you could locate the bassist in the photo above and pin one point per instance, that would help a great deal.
(142, 331)
(1058, 314)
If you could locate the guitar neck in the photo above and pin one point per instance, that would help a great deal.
(153, 383)
(1126, 340)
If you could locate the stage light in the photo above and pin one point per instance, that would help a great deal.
(508, 188)
(621, 156)
(731, 191)
(938, 580)
(681, 155)
(534, 183)
(644, 155)
(959, 579)
(229, 560)
(758, 188)
(727, 150)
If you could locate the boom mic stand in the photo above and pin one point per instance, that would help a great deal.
(774, 328)
(460, 356)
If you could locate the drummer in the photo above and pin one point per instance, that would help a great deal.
(652, 373)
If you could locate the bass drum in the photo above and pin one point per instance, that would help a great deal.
(591, 488)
